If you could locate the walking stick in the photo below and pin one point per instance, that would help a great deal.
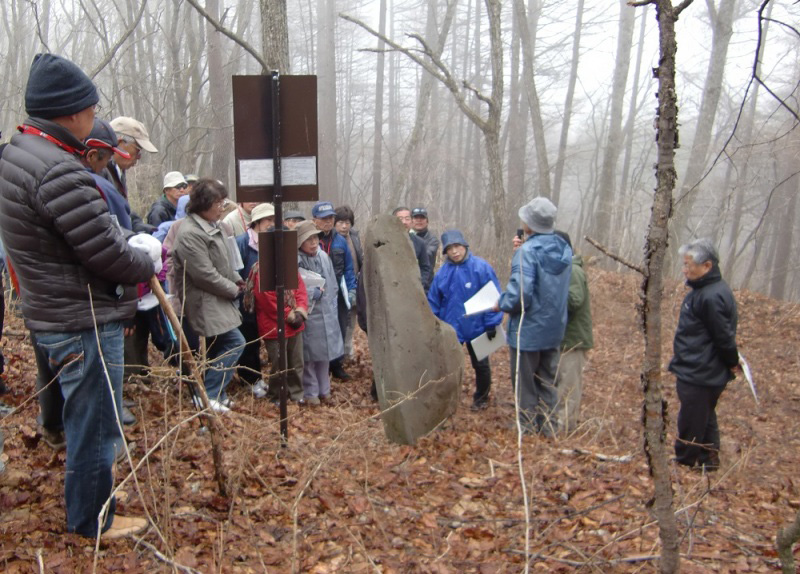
(195, 382)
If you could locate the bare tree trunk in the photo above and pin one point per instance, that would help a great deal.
(573, 78)
(219, 108)
(787, 206)
(605, 192)
(542, 163)
(721, 18)
(655, 407)
(377, 149)
(275, 35)
(326, 90)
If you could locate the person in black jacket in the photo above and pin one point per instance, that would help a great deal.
(705, 355)
(423, 261)
(72, 264)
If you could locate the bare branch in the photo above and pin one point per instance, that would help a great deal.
(614, 256)
(642, 3)
(681, 7)
(434, 67)
(757, 57)
(115, 48)
(238, 39)
(35, 7)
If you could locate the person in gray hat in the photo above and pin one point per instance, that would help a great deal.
(536, 301)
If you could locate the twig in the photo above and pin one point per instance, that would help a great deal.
(614, 256)
(165, 559)
(599, 456)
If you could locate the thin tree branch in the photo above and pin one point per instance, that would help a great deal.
(756, 76)
(115, 48)
(237, 39)
(681, 7)
(642, 3)
(614, 256)
(35, 7)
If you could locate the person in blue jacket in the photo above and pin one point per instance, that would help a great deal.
(460, 277)
(536, 301)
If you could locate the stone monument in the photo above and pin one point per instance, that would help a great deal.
(417, 359)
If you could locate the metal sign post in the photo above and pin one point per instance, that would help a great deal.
(275, 137)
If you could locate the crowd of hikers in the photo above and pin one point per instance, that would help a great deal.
(83, 263)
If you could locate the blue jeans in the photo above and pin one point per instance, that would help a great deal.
(223, 352)
(90, 422)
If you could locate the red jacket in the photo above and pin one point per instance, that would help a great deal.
(267, 308)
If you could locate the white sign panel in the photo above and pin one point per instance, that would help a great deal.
(295, 171)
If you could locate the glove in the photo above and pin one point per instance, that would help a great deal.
(295, 320)
(158, 265)
(316, 294)
(491, 333)
(351, 296)
(148, 244)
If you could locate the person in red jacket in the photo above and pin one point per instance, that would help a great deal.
(296, 312)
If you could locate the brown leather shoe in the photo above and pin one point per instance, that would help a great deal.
(125, 526)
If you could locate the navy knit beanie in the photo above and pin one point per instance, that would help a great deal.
(57, 87)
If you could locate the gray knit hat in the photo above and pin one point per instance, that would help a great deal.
(539, 214)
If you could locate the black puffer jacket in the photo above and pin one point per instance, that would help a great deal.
(705, 340)
(60, 238)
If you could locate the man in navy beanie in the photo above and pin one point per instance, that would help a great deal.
(72, 263)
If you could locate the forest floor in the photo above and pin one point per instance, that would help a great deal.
(341, 498)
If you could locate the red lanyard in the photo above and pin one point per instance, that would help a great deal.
(30, 130)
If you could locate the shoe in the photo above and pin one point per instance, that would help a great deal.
(121, 457)
(339, 373)
(479, 405)
(128, 403)
(125, 526)
(325, 399)
(260, 389)
(308, 402)
(128, 418)
(216, 406)
(54, 439)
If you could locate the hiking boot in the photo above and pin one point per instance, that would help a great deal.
(54, 439)
(260, 389)
(308, 402)
(339, 373)
(479, 405)
(325, 399)
(222, 406)
(128, 418)
(125, 526)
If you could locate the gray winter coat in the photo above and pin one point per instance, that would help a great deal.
(322, 338)
(200, 253)
(60, 238)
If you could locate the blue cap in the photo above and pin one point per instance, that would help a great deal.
(322, 209)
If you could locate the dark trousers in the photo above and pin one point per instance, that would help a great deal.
(698, 432)
(483, 376)
(249, 369)
(537, 392)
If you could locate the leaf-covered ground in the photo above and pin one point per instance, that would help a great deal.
(340, 498)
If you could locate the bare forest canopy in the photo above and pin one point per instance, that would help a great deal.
(539, 98)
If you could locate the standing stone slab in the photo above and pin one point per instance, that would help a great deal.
(417, 359)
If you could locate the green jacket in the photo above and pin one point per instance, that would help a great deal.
(579, 314)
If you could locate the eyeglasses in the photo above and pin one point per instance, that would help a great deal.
(182, 186)
(97, 107)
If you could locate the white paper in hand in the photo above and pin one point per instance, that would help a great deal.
(483, 347)
(484, 300)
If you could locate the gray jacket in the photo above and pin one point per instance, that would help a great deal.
(60, 238)
(322, 337)
(203, 272)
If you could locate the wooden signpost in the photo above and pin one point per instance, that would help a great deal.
(275, 146)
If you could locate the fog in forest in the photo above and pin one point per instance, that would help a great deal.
(468, 108)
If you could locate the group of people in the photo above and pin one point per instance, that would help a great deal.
(84, 261)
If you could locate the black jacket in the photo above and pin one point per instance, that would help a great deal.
(705, 340)
(425, 267)
(60, 238)
(162, 210)
(111, 174)
(431, 245)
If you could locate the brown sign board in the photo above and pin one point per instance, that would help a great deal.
(253, 137)
(266, 260)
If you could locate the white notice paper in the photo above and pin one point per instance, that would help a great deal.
(294, 171)
(748, 375)
(483, 347)
(311, 279)
(483, 300)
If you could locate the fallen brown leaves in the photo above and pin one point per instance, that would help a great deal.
(340, 498)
